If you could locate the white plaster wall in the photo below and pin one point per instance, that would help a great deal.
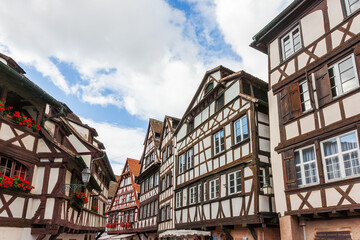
(182, 132)
(42, 147)
(84, 132)
(274, 54)
(54, 174)
(349, 104)
(264, 203)
(231, 92)
(274, 77)
(50, 202)
(291, 130)
(276, 160)
(335, 12)
(38, 179)
(15, 233)
(312, 26)
(307, 124)
(332, 113)
(50, 126)
(79, 146)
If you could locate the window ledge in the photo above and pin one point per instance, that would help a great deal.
(240, 143)
(219, 154)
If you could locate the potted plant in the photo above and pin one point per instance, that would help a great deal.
(15, 183)
(81, 197)
(94, 208)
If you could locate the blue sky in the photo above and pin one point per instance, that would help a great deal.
(118, 63)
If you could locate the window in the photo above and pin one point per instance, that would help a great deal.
(169, 150)
(219, 102)
(351, 6)
(341, 156)
(190, 126)
(234, 180)
(291, 42)
(163, 184)
(168, 212)
(241, 129)
(262, 177)
(208, 88)
(199, 193)
(306, 167)
(156, 178)
(343, 77)
(10, 168)
(246, 88)
(146, 185)
(178, 199)
(156, 207)
(304, 96)
(128, 197)
(164, 155)
(163, 214)
(131, 217)
(181, 163)
(205, 191)
(192, 194)
(152, 157)
(151, 182)
(214, 189)
(219, 142)
(190, 159)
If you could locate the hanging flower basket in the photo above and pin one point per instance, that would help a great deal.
(81, 197)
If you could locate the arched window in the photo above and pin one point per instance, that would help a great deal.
(10, 167)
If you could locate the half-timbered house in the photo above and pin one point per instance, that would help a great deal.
(46, 146)
(166, 187)
(222, 172)
(313, 49)
(124, 208)
(149, 182)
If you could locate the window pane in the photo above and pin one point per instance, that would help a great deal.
(308, 154)
(348, 142)
(330, 147)
(333, 167)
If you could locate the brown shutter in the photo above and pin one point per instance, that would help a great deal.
(284, 103)
(290, 169)
(295, 102)
(323, 88)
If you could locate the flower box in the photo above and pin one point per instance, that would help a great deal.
(15, 183)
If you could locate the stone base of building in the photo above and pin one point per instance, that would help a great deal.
(7, 233)
(296, 228)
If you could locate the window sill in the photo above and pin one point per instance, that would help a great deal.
(218, 154)
(240, 143)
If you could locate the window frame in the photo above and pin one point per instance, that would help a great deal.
(181, 166)
(337, 79)
(214, 142)
(302, 163)
(192, 195)
(291, 38)
(178, 200)
(340, 155)
(300, 83)
(219, 102)
(189, 159)
(241, 130)
(235, 184)
(347, 8)
(214, 189)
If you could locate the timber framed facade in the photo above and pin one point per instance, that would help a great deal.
(49, 158)
(124, 209)
(149, 182)
(222, 163)
(314, 120)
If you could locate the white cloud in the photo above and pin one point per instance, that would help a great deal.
(140, 40)
(239, 21)
(120, 142)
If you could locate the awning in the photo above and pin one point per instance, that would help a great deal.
(184, 233)
(110, 237)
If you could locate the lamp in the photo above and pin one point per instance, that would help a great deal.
(85, 175)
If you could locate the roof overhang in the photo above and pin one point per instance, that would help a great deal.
(184, 233)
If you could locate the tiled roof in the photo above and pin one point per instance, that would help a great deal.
(134, 166)
(156, 125)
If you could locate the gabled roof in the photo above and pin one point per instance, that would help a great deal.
(11, 63)
(134, 166)
(167, 120)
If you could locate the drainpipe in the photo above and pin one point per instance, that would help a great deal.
(303, 225)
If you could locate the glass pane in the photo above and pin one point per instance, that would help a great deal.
(347, 75)
(348, 142)
(330, 147)
(297, 158)
(354, 6)
(298, 175)
(308, 154)
(345, 65)
(349, 85)
(333, 167)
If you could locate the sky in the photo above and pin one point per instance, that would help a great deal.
(118, 63)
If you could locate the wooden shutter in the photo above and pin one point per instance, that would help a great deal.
(290, 169)
(295, 102)
(284, 103)
(323, 88)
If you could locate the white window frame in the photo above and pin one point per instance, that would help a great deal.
(291, 42)
(205, 191)
(182, 163)
(192, 195)
(348, 9)
(308, 99)
(302, 166)
(237, 189)
(218, 141)
(178, 200)
(340, 155)
(189, 159)
(199, 193)
(214, 188)
(151, 182)
(337, 79)
(156, 179)
(262, 177)
(241, 129)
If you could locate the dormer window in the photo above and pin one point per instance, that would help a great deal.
(291, 42)
(208, 88)
(190, 126)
